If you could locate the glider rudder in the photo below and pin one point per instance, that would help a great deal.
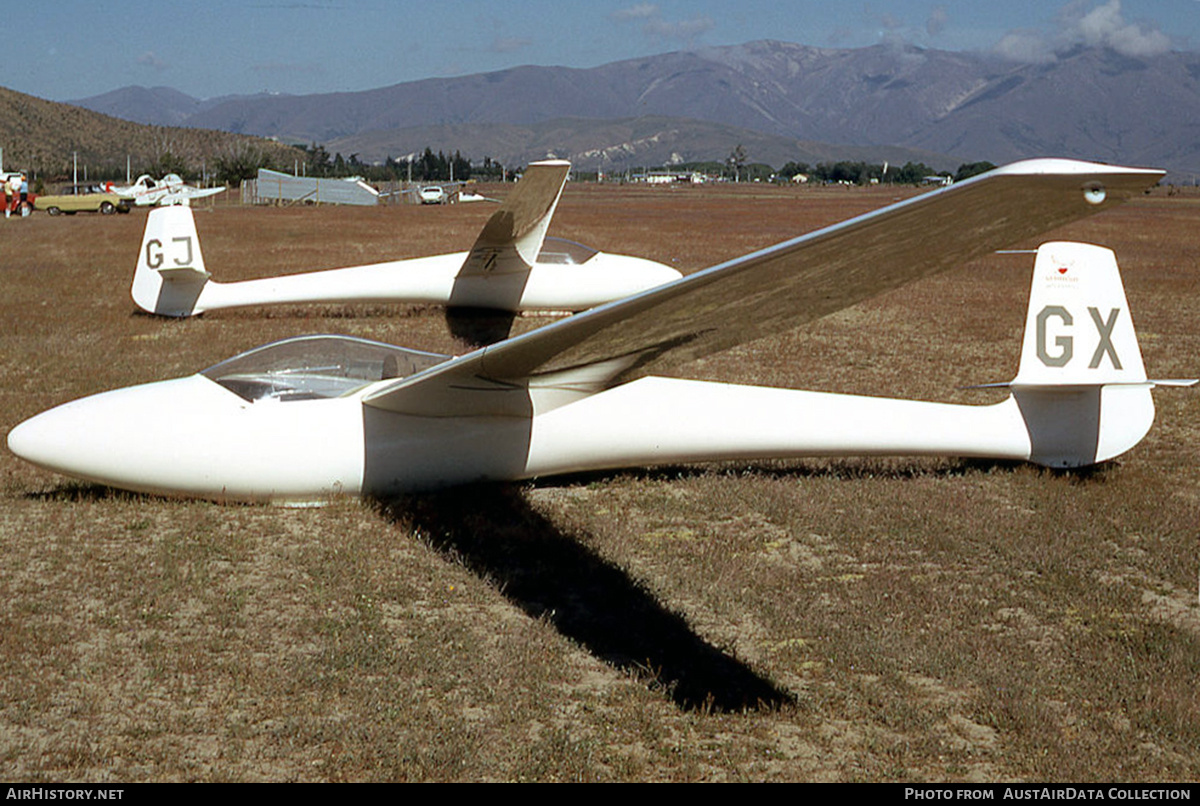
(1081, 386)
(513, 235)
(170, 270)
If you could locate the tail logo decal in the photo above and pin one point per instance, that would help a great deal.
(155, 254)
(1066, 344)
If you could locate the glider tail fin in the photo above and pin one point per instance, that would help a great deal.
(1078, 330)
(1081, 386)
(513, 236)
(170, 270)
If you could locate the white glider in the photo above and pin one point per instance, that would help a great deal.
(513, 266)
(170, 190)
(308, 417)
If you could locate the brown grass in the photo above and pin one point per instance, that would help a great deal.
(917, 620)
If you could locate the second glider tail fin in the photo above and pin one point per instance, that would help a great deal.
(513, 236)
(170, 271)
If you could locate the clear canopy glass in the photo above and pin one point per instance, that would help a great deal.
(561, 252)
(314, 367)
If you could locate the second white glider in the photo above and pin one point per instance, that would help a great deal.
(512, 266)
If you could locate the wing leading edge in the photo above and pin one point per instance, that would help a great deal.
(764, 292)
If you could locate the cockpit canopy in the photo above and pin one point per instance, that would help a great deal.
(561, 252)
(316, 367)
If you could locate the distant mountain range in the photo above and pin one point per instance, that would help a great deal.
(775, 98)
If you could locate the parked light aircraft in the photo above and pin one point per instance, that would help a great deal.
(307, 417)
(513, 266)
(148, 192)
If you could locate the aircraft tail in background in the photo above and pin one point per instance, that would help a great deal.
(170, 270)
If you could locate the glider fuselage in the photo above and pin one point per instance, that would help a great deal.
(194, 437)
(436, 280)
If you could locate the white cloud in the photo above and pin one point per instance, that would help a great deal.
(509, 44)
(150, 59)
(938, 17)
(1024, 45)
(641, 11)
(684, 30)
(1081, 22)
(654, 26)
(1105, 26)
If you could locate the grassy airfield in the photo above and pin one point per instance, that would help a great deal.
(831, 620)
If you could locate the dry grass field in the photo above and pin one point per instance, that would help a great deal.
(826, 620)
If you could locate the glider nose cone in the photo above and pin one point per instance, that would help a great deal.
(36, 440)
(191, 436)
(114, 438)
(82, 438)
(646, 274)
(668, 275)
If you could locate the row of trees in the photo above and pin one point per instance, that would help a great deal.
(855, 173)
(426, 167)
(738, 168)
(244, 161)
(847, 171)
(863, 173)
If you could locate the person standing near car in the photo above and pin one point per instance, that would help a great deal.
(24, 195)
(12, 189)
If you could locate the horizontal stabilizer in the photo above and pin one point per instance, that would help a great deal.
(1174, 382)
(183, 274)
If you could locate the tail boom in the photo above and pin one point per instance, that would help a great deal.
(1081, 396)
(655, 421)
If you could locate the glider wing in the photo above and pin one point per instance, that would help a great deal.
(764, 292)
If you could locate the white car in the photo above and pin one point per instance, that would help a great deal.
(434, 194)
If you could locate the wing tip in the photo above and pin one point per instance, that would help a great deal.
(1062, 166)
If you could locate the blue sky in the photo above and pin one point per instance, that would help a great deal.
(78, 48)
